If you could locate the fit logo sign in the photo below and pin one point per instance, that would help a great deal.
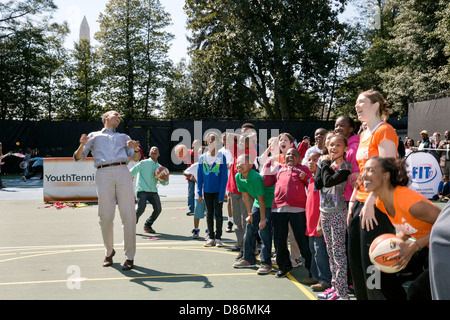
(424, 173)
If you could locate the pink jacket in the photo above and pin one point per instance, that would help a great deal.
(290, 190)
(353, 143)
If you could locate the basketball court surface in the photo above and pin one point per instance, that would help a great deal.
(50, 253)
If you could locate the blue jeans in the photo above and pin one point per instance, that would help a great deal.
(265, 235)
(153, 198)
(320, 263)
(191, 195)
(280, 222)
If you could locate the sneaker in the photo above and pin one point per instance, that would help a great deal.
(296, 263)
(195, 234)
(243, 264)
(235, 248)
(229, 227)
(335, 296)
(351, 290)
(282, 273)
(219, 243)
(149, 229)
(189, 213)
(264, 269)
(328, 293)
(210, 243)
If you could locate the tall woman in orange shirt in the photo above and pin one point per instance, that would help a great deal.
(365, 222)
(411, 214)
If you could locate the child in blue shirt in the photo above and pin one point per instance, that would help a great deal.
(212, 177)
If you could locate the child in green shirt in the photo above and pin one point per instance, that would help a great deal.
(146, 188)
(251, 184)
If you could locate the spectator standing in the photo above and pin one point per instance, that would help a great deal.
(320, 265)
(319, 144)
(444, 153)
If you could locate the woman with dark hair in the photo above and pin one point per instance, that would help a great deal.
(411, 214)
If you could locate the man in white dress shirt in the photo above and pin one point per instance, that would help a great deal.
(111, 152)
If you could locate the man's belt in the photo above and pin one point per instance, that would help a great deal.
(114, 164)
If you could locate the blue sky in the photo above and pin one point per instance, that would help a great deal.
(73, 12)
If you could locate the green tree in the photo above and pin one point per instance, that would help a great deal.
(15, 13)
(417, 46)
(84, 84)
(133, 52)
(404, 54)
(26, 57)
(367, 52)
(201, 90)
(52, 94)
(282, 47)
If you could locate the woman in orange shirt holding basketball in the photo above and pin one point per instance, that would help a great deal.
(365, 222)
(411, 214)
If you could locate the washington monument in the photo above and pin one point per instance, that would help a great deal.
(85, 32)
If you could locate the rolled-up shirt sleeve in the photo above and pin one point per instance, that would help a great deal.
(87, 147)
(129, 150)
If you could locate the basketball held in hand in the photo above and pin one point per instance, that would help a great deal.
(162, 174)
(382, 250)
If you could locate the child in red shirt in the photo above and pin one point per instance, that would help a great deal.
(320, 266)
(288, 206)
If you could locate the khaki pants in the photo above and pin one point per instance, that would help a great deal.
(114, 186)
(239, 215)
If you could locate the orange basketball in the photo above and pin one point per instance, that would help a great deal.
(162, 174)
(181, 150)
(382, 248)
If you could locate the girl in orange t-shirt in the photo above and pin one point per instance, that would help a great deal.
(411, 214)
(365, 222)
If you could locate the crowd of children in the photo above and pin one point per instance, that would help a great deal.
(301, 210)
(279, 205)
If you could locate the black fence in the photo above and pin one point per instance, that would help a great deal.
(61, 139)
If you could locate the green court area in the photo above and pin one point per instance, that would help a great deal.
(50, 253)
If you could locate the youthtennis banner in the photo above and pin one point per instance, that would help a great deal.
(69, 180)
(424, 172)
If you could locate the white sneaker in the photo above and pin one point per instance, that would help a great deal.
(219, 243)
(264, 269)
(209, 243)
